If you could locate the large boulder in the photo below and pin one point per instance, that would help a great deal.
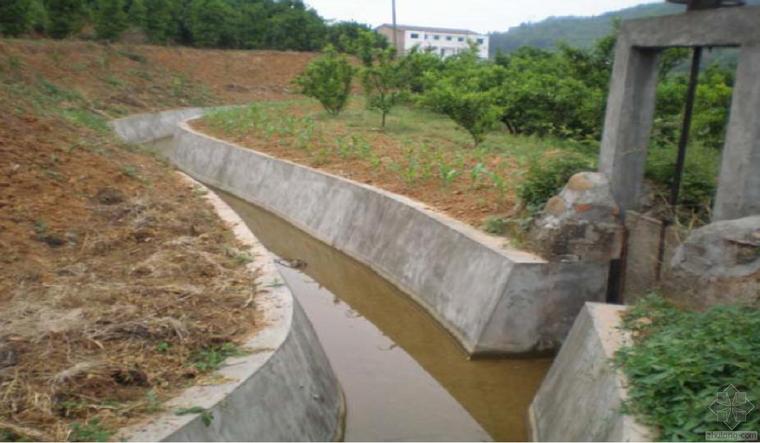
(719, 263)
(581, 223)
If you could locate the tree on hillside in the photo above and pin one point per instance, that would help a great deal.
(38, 16)
(110, 19)
(138, 14)
(14, 17)
(382, 83)
(211, 23)
(66, 17)
(328, 79)
(160, 23)
(295, 27)
(252, 25)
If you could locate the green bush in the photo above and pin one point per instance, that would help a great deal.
(699, 181)
(679, 361)
(328, 79)
(546, 176)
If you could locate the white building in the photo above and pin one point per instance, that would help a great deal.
(441, 41)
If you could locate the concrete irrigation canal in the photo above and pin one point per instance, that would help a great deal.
(403, 375)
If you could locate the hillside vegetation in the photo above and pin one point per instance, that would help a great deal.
(118, 284)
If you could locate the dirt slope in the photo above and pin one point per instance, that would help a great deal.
(118, 285)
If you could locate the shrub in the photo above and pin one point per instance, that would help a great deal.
(680, 360)
(466, 91)
(547, 175)
(328, 79)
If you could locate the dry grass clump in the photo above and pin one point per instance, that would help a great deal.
(125, 320)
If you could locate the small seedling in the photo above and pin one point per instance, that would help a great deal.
(163, 347)
(495, 225)
(206, 416)
(212, 358)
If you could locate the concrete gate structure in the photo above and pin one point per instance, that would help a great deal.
(581, 397)
(652, 244)
(631, 103)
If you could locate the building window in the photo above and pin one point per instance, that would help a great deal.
(481, 41)
(448, 37)
(461, 39)
(436, 37)
(415, 36)
(426, 36)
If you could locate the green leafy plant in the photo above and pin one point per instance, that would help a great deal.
(93, 430)
(495, 225)
(211, 358)
(546, 176)
(206, 416)
(679, 361)
(328, 79)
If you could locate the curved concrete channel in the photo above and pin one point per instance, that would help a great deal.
(404, 376)
(402, 363)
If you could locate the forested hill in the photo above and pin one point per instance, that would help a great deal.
(576, 31)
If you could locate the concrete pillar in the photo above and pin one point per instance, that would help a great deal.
(739, 183)
(628, 122)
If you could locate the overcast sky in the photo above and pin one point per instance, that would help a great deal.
(477, 15)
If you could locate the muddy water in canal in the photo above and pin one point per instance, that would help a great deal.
(403, 375)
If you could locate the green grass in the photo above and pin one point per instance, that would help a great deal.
(681, 360)
(212, 358)
(429, 147)
(90, 431)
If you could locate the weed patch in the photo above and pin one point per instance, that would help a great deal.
(680, 361)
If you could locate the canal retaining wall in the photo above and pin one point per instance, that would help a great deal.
(581, 397)
(492, 299)
(284, 390)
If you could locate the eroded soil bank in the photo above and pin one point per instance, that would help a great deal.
(391, 357)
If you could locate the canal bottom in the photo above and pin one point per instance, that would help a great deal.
(404, 376)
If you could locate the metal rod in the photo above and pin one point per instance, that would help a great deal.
(395, 36)
(686, 127)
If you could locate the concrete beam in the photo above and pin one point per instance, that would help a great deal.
(715, 27)
(739, 183)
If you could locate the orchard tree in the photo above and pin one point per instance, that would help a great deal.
(382, 83)
(328, 79)
(466, 90)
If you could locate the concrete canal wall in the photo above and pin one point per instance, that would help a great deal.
(285, 390)
(581, 397)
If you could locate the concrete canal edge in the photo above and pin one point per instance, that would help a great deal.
(581, 397)
(284, 390)
(493, 300)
